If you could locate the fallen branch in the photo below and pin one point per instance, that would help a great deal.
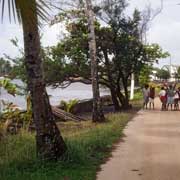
(59, 113)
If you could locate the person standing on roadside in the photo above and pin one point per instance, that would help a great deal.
(151, 97)
(163, 98)
(145, 92)
(179, 93)
(170, 97)
(176, 100)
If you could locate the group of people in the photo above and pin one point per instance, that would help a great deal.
(169, 96)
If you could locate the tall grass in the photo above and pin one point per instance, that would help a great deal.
(88, 145)
(138, 95)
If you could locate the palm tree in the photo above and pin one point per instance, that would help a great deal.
(97, 115)
(50, 144)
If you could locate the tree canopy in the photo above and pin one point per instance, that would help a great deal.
(163, 74)
(120, 50)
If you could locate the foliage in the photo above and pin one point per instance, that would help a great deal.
(178, 71)
(163, 74)
(16, 8)
(10, 87)
(144, 75)
(50, 145)
(138, 95)
(16, 118)
(8, 107)
(120, 50)
(88, 145)
(10, 112)
(68, 106)
(5, 67)
(13, 119)
(18, 69)
(177, 75)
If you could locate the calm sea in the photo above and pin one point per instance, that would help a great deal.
(74, 91)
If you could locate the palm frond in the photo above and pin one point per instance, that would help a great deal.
(26, 8)
(2, 2)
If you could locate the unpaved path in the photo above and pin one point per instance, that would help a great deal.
(150, 149)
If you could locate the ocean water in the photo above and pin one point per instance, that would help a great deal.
(74, 91)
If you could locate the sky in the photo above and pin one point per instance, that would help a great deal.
(164, 30)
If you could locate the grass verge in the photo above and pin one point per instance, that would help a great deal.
(89, 144)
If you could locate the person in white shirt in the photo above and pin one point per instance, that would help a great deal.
(163, 98)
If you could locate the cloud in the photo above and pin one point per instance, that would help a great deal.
(8, 32)
(50, 37)
(165, 28)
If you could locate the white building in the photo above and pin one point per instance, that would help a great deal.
(153, 76)
(173, 70)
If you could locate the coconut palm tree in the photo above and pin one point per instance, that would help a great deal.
(97, 114)
(50, 144)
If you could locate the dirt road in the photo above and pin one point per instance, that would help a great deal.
(150, 149)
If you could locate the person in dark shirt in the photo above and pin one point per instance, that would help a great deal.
(151, 97)
(176, 100)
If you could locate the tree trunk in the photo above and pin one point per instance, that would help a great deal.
(115, 100)
(97, 113)
(110, 78)
(125, 104)
(50, 144)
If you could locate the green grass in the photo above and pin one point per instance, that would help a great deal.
(138, 95)
(88, 146)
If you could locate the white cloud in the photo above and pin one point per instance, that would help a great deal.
(8, 32)
(52, 34)
(165, 28)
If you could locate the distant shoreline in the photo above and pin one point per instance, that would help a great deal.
(74, 91)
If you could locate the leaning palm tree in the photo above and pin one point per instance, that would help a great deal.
(97, 114)
(50, 144)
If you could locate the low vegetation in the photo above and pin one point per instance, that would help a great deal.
(88, 145)
(69, 105)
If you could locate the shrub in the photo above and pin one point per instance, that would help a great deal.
(69, 106)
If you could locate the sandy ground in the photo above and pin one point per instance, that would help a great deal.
(150, 149)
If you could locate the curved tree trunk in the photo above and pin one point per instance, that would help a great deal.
(97, 113)
(110, 78)
(50, 144)
(125, 102)
(115, 100)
